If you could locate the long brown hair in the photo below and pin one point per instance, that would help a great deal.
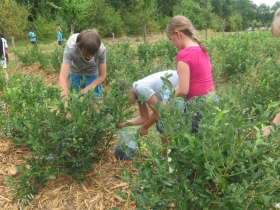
(184, 25)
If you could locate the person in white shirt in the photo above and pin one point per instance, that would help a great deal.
(151, 89)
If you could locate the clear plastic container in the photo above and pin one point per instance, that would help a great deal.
(126, 144)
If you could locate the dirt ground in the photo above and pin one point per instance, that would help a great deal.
(96, 192)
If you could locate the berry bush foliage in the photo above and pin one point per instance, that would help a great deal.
(226, 164)
(35, 118)
(221, 162)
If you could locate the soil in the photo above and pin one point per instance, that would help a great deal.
(96, 192)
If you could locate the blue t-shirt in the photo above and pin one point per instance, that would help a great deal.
(32, 36)
(59, 36)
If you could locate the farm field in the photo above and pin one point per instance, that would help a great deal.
(228, 164)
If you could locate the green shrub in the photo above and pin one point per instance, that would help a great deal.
(36, 120)
(44, 28)
(29, 57)
(226, 164)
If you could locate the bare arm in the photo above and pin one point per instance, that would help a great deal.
(63, 78)
(276, 119)
(183, 70)
(102, 69)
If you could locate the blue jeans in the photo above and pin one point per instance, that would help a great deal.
(80, 82)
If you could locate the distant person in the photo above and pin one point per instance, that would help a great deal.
(275, 31)
(6, 49)
(59, 35)
(32, 36)
(3, 57)
(84, 58)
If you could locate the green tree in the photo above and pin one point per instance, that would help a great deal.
(102, 16)
(141, 18)
(147, 10)
(45, 29)
(216, 23)
(166, 6)
(255, 24)
(13, 17)
(207, 13)
(223, 8)
(247, 10)
(41, 7)
(264, 14)
(73, 10)
(191, 10)
(122, 5)
(275, 6)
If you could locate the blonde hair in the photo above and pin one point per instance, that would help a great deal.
(58, 29)
(275, 27)
(184, 25)
(89, 41)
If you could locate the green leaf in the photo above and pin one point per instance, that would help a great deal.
(259, 142)
(52, 177)
(204, 195)
(142, 199)
(244, 182)
(166, 182)
(170, 170)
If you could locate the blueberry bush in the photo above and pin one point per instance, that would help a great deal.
(225, 164)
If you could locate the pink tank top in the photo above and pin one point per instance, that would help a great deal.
(201, 81)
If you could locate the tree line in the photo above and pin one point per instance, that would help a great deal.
(129, 17)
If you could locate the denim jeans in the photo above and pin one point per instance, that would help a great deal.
(80, 82)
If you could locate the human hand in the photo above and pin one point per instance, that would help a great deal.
(85, 90)
(144, 131)
(68, 115)
(121, 125)
(268, 131)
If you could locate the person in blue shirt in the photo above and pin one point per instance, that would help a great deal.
(32, 37)
(59, 35)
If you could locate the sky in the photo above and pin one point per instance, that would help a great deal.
(267, 2)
